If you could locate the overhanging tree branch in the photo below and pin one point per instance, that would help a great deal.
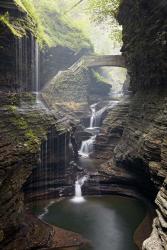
(74, 6)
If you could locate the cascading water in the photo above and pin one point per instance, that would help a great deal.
(96, 116)
(93, 116)
(87, 147)
(95, 122)
(78, 198)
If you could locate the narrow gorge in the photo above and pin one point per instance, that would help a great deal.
(83, 121)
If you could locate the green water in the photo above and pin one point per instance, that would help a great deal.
(109, 222)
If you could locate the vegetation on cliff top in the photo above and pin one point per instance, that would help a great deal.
(58, 27)
(106, 11)
(46, 22)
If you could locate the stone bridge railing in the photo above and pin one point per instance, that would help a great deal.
(99, 61)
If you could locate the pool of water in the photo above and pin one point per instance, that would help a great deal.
(109, 222)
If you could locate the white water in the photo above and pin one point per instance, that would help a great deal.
(93, 116)
(78, 198)
(95, 120)
(87, 147)
(37, 71)
(96, 116)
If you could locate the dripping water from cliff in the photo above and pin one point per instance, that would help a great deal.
(27, 67)
(52, 175)
(21, 79)
(37, 71)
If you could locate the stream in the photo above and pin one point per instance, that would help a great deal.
(108, 222)
(94, 128)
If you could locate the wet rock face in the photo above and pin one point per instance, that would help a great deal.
(7, 60)
(133, 140)
(53, 176)
(111, 131)
(23, 130)
(145, 41)
(144, 138)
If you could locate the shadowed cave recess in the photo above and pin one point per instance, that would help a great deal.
(83, 121)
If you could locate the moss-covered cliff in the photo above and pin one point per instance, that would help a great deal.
(26, 125)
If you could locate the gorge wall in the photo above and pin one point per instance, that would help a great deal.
(144, 140)
(26, 125)
(134, 135)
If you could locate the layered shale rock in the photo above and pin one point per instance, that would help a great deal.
(111, 131)
(133, 137)
(74, 89)
(144, 41)
(142, 147)
(24, 127)
(55, 59)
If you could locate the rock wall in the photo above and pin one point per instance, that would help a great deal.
(55, 59)
(144, 41)
(26, 167)
(74, 89)
(21, 136)
(143, 145)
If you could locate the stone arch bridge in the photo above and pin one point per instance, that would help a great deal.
(93, 61)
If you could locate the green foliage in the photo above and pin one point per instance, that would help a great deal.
(98, 77)
(59, 29)
(32, 142)
(31, 22)
(13, 27)
(11, 108)
(103, 9)
(106, 11)
(46, 22)
(18, 121)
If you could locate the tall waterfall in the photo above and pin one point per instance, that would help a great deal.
(78, 198)
(27, 65)
(21, 78)
(37, 71)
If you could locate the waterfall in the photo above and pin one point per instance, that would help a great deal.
(96, 116)
(93, 116)
(78, 198)
(35, 67)
(37, 71)
(19, 63)
(95, 122)
(87, 147)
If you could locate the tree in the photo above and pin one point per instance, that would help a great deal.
(105, 11)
